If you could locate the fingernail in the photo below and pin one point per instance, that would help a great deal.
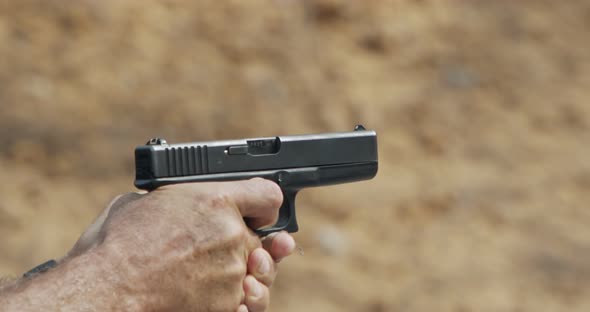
(254, 288)
(263, 265)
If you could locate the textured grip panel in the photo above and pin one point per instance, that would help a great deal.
(183, 161)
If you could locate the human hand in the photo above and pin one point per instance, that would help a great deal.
(186, 246)
(262, 270)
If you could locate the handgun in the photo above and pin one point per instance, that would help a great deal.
(293, 162)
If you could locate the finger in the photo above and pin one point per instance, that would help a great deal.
(257, 295)
(258, 200)
(279, 245)
(242, 308)
(262, 267)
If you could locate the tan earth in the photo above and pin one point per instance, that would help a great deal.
(481, 107)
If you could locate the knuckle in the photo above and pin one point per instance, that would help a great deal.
(217, 201)
(259, 303)
(236, 270)
(235, 231)
(268, 279)
(242, 308)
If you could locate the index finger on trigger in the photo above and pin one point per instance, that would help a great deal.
(258, 200)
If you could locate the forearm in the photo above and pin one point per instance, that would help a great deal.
(82, 283)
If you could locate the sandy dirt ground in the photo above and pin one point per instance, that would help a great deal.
(481, 107)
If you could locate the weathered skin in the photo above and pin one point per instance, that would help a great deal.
(182, 247)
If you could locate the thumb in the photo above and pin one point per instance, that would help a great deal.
(91, 237)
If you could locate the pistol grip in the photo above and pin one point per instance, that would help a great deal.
(287, 220)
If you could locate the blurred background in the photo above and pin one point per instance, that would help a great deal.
(481, 107)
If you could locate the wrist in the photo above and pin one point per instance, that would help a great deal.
(83, 282)
(109, 278)
(131, 278)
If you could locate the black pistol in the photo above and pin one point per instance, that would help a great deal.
(293, 162)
